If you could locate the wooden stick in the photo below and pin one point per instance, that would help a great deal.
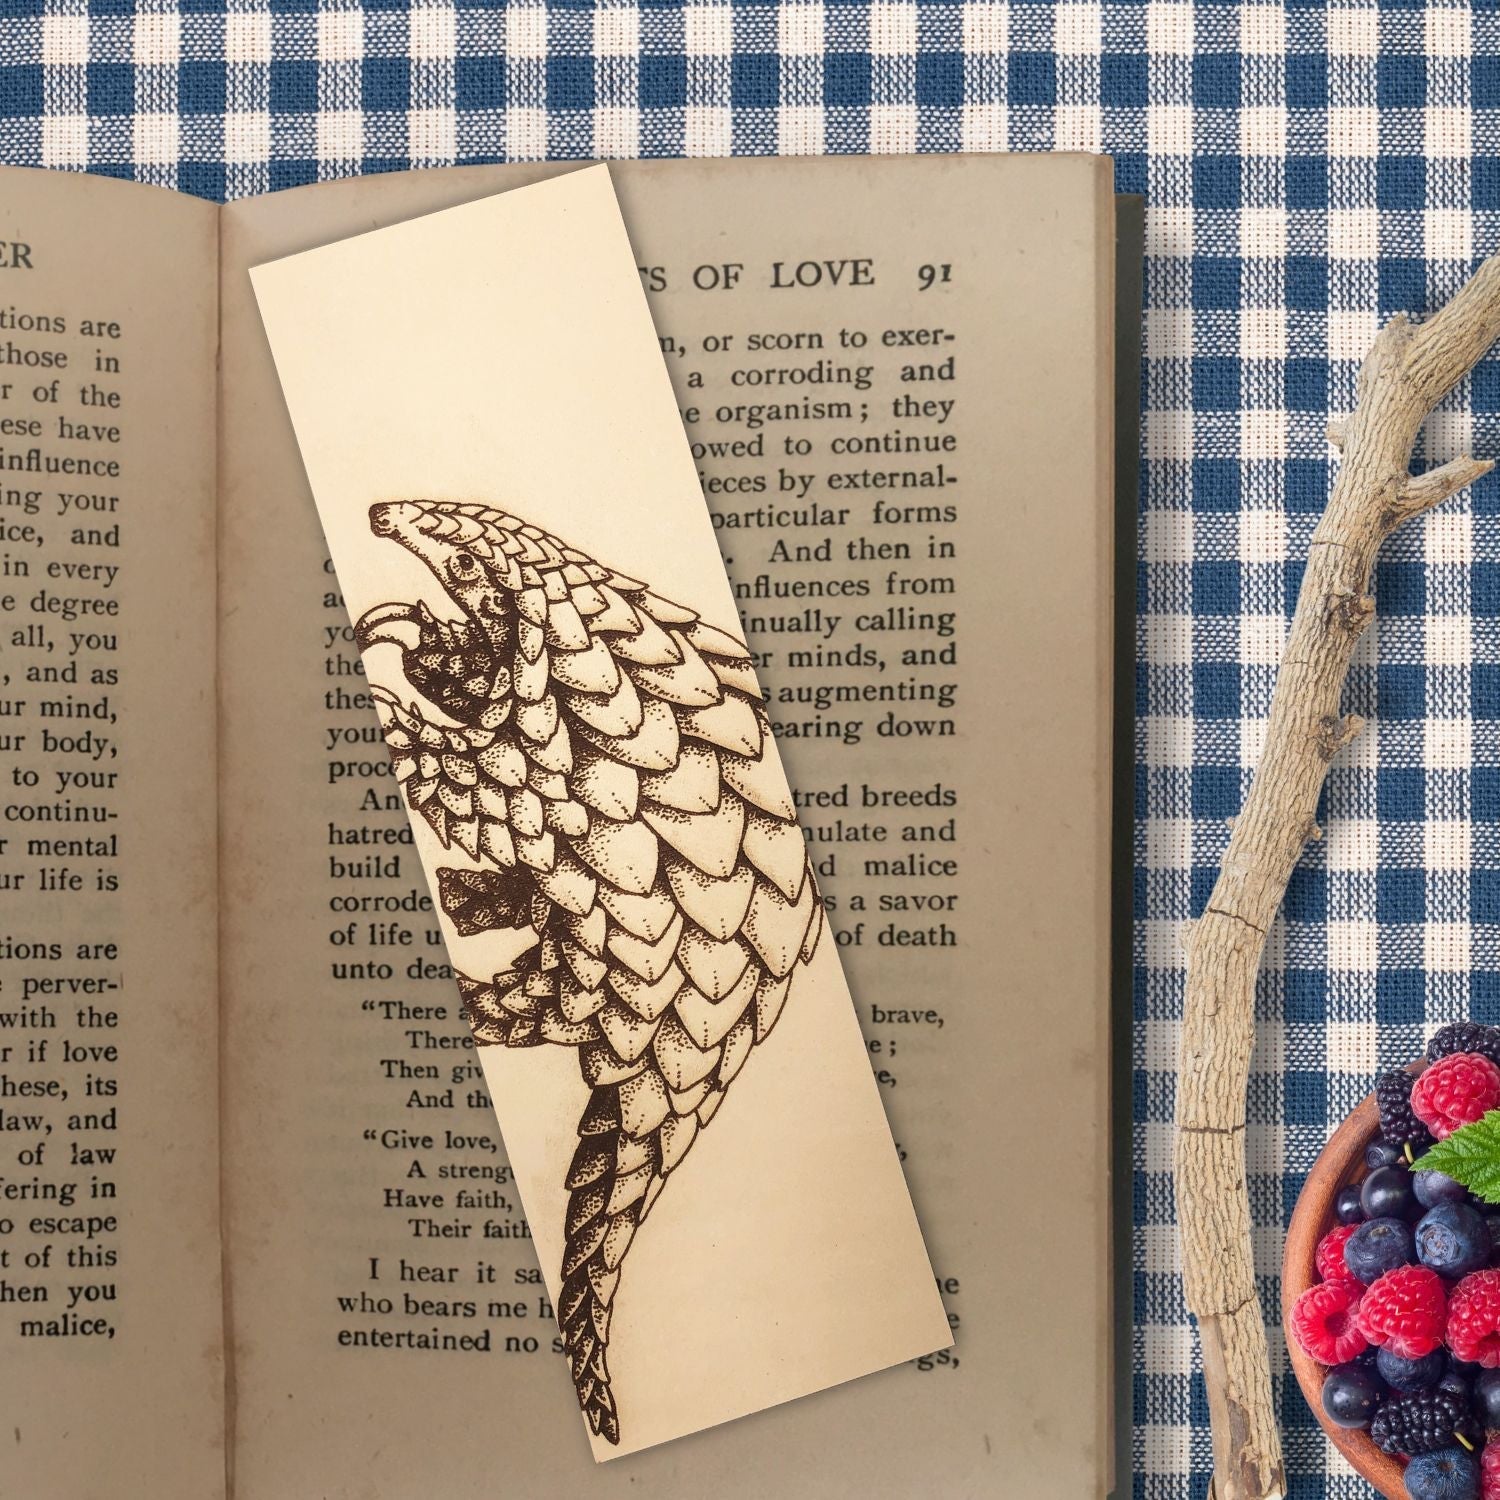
(1408, 370)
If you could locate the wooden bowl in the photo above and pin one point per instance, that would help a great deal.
(1342, 1161)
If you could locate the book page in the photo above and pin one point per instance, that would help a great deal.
(982, 1002)
(111, 1354)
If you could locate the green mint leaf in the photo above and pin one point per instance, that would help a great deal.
(1471, 1155)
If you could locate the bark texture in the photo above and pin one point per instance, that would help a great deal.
(1408, 370)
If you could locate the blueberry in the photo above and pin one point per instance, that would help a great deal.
(1387, 1194)
(1378, 1246)
(1487, 1397)
(1351, 1395)
(1433, 1188)
(1448, 1474)
(1452, 1238)
(1346, 1207)
(1382, 1154)
(1407, 1375)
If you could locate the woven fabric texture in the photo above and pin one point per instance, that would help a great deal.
(1309, 169)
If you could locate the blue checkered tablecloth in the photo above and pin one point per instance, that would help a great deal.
(1309, 168)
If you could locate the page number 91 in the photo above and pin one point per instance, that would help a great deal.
(931, 276)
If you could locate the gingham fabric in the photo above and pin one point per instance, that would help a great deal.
(1308, 168)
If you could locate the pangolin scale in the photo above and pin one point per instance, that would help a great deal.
(602, 758)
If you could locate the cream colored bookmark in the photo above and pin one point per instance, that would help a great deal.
(576, 728)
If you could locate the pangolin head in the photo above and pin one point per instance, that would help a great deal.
(483, 558)
(463, 547)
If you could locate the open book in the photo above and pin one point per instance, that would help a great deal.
(257, 1232)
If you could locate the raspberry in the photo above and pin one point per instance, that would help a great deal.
(1465, 1036)
(1422, 1423)
(1489, 1471)
(1403, 1311)
(1398, 1124)
(1474, 1319)
(1324, 1321)
(1456, 1090)
(1330, 1255)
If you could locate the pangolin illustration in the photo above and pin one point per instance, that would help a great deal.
(602, 756)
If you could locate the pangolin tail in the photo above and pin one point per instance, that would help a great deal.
(596, 1244)
(620, 1166)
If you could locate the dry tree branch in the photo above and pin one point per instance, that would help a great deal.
(1408, 370)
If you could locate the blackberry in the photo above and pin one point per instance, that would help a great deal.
(1422, 1423)
(1397, 1122)
(1465, 1036)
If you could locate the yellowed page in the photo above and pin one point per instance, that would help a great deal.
(961, 1036)
(111, 1354)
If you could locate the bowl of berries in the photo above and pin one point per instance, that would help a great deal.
(1391, 1276)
